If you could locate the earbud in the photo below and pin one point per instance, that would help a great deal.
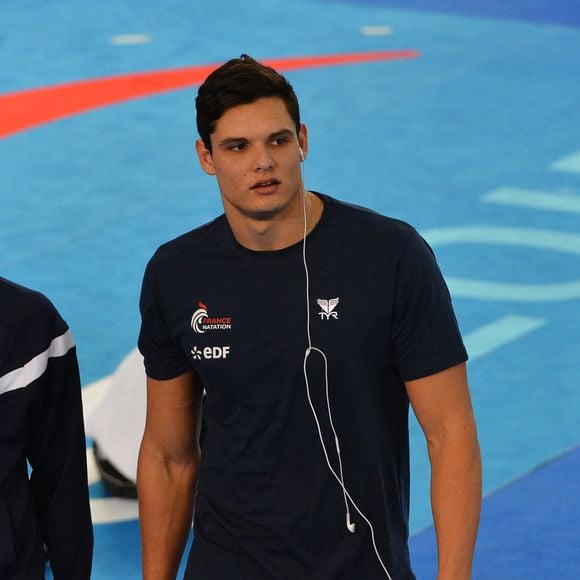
(351, 526)
(301, 154)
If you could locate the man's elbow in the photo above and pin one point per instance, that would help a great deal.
(182, 466)
(460, 436)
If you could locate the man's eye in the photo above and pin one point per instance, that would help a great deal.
(280, 141)
(238, 147)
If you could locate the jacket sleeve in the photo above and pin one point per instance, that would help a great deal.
(57, 456)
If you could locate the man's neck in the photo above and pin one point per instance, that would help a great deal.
(281, 232)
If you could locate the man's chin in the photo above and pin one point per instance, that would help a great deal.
(262, 216)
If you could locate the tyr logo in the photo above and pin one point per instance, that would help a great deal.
(328, 307)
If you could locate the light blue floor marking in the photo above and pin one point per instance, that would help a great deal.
(499, 333)
(534, 199)
(570, 163)
(505, 236)
(503, 292)
(502, 236)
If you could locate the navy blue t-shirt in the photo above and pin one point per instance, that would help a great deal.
(267, 506)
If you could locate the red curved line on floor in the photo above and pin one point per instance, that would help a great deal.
(27, 109)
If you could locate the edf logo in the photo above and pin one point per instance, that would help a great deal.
(210, 352)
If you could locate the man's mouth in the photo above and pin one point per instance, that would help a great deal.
(265, 183)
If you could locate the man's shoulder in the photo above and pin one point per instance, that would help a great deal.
(28, 323)
(21, 304)
(356, 219)
(196, 242)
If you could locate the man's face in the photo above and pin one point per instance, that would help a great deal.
(256, 159)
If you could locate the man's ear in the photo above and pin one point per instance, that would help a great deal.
(205, 158)
(303, 139)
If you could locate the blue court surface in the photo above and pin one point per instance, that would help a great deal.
(475, 141)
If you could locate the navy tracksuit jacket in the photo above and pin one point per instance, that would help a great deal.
(43, 475)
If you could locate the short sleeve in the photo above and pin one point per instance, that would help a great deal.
(163, 357)
(426, 336)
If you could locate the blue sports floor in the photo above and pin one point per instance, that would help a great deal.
(475, 141)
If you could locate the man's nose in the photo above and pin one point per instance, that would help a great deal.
(263, 160)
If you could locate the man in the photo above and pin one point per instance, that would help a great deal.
(309, 324)
(41, 423)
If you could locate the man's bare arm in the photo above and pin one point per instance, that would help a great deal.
(443, 408)
(167, 472)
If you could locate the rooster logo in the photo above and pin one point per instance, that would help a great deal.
(197, 318)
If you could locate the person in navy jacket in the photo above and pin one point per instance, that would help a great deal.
(44, 500)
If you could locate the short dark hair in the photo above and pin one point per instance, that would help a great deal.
(240, 81)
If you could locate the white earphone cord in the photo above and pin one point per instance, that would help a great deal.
(309, 350)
